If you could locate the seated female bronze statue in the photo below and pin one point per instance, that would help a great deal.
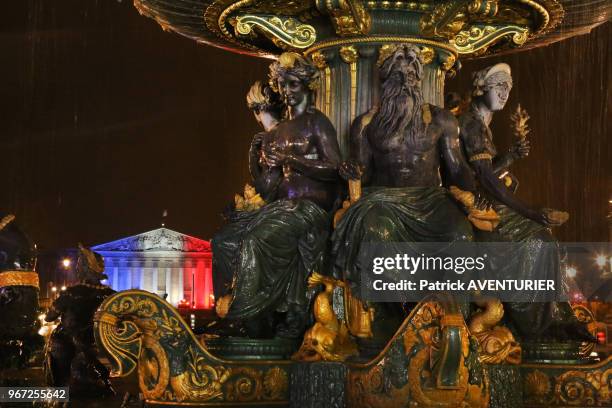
(268, 111)
(538, 253)
(282, 242)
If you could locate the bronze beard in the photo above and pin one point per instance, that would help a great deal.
(399, 108)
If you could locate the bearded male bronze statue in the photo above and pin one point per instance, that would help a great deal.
(295, 166)
(71, 358)
(398, 150)
(537, 252)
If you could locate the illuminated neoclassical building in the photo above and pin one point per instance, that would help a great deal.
(162, 261)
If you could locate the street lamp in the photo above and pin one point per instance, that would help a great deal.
(66, 262)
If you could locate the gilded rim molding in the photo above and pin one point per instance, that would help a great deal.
(551, 11)
(217, 13)
(382, 39)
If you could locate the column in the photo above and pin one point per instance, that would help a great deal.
(152, 275)
(108, 268)
(141, 278)
(199, 284)
(208, 284)
(115, 275)
(180, 278)
(187, 269)
(169, 286)
(125, 275)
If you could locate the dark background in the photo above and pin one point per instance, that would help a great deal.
(108, 120)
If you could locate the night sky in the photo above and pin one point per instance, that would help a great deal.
(108, 120)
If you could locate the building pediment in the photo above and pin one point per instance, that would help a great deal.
(161, 239)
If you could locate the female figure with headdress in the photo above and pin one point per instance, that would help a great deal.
(283, 241)
(267, 109)
(537, 256)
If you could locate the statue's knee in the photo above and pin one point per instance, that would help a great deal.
(379, 226)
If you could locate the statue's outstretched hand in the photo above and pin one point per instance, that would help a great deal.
(520, 149)
(553, 218)
(350, 170)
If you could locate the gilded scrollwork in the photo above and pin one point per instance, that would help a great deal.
(445, 20)
(286, 29)
(416, 367)
(584, 315)
(139, 329)
(579, 386)
(480, 37)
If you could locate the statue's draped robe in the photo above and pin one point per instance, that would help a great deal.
(270, 253)
(395, 215)
(537, 254)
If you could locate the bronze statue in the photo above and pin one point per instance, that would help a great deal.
(71, 352)
(398, 150)
(518, 222)
(284, 241)
(267, 109)
(18, 296)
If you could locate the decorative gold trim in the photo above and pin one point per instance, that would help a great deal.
(215, 18)
(398, 5)
(105, 317)
(379, 39)
(288, 30)
(478, 38)
(18, 278)
(350, 55)
(318, 59)
(349, 17)
(586, 367)
(541, 10)
(175, 314)
(6, 221)
(328, 94)
(481, 156)
(427, 55)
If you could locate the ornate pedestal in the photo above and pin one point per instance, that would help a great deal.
(318, 385)
(506, 386)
